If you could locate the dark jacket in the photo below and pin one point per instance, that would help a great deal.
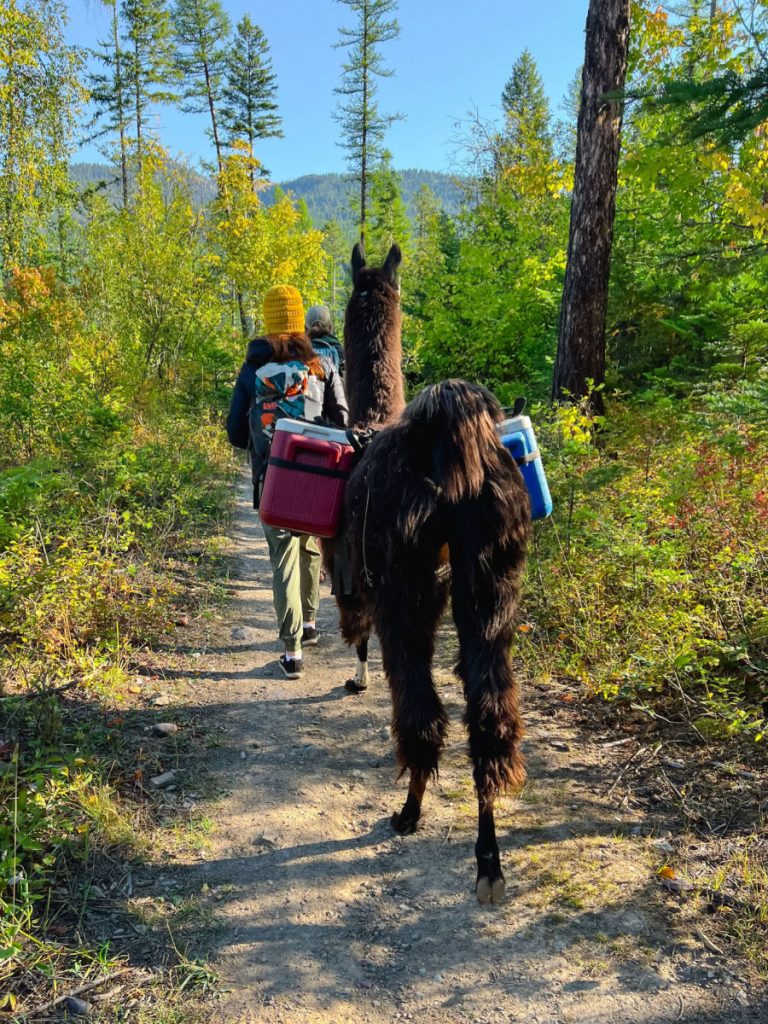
(332, 343)
(335, 411)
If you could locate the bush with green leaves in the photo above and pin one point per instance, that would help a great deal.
(650, 582)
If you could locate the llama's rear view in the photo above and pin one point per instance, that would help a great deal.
(438, 477)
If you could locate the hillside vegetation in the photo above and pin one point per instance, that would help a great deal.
(328, 196)
(124, 314)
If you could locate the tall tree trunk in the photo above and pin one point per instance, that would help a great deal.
(120, 108)
(364, 133)
(214, 123)
(581, 338)
(712, 10)
(137, 75)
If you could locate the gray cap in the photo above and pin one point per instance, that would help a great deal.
(319, 315)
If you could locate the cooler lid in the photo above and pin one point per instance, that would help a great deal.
(318, 430)
(512, 426)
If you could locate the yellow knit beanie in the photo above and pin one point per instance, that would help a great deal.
(283, 310)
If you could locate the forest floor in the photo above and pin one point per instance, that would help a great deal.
(312, 910)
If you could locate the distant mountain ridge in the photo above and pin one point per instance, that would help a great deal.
(331, 196)
(328, 196)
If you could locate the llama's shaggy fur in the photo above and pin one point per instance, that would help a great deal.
(439, 476)
(436, 479)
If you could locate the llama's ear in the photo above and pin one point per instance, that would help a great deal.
(358, 261)
(392, 262)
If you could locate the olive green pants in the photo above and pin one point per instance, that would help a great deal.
(295, 582)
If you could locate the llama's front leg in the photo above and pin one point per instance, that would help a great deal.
(355, 625)
(359, 682)
(406, 820)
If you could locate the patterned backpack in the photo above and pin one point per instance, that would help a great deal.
(287, 389)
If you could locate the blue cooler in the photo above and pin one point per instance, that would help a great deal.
(518, 438)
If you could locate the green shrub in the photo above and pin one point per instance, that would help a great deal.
(650, 582)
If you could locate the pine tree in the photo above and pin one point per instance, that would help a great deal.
(363, 126)
(527, 129)
(110, 94)
(581, 337)
(202, 29)
(249, 111)
(150, 67)
(565, 129)
(725, 107)
(389, 222)
(337, 246)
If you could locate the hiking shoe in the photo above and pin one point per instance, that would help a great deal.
(310, 636)
(291, 667)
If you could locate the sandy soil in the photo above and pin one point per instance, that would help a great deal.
(322, 914)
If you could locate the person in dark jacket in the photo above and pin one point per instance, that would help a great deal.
(320, 330)
(295, 559)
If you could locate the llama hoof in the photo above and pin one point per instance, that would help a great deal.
(355, 686)
(491, 890)
(403, 824)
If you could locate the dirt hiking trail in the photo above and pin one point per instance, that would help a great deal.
(322, 914)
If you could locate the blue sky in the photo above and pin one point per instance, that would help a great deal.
(452, 56)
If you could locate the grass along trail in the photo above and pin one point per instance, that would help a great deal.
(315, 911)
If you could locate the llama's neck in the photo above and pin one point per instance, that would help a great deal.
(375, 387)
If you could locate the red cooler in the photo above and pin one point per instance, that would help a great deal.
(308, 469)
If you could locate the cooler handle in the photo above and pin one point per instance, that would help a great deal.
(303, 443)
(319, 432)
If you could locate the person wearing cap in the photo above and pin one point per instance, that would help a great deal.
(295, 559)
(320, 330)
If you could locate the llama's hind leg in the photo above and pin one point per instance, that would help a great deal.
(495, 731)
(419, 720)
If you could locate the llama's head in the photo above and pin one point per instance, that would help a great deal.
(377, 283)
(372, 344)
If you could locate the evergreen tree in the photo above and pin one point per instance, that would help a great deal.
(363, 126)
(151, 73)
(527, 134)
(202, 29)
(388, 215)
(565, 129)
(581, 339)
(728, 105)
(337, 246)
(249, 111)
(110, 94)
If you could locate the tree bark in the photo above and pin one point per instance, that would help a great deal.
(581, 337)
(364, 133)
(120, 109)
(137, 90)
(214, 121)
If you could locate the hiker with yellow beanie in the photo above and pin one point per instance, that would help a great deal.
(283, 376)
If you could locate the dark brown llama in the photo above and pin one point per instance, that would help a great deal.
(437, 477)
(373, 380)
